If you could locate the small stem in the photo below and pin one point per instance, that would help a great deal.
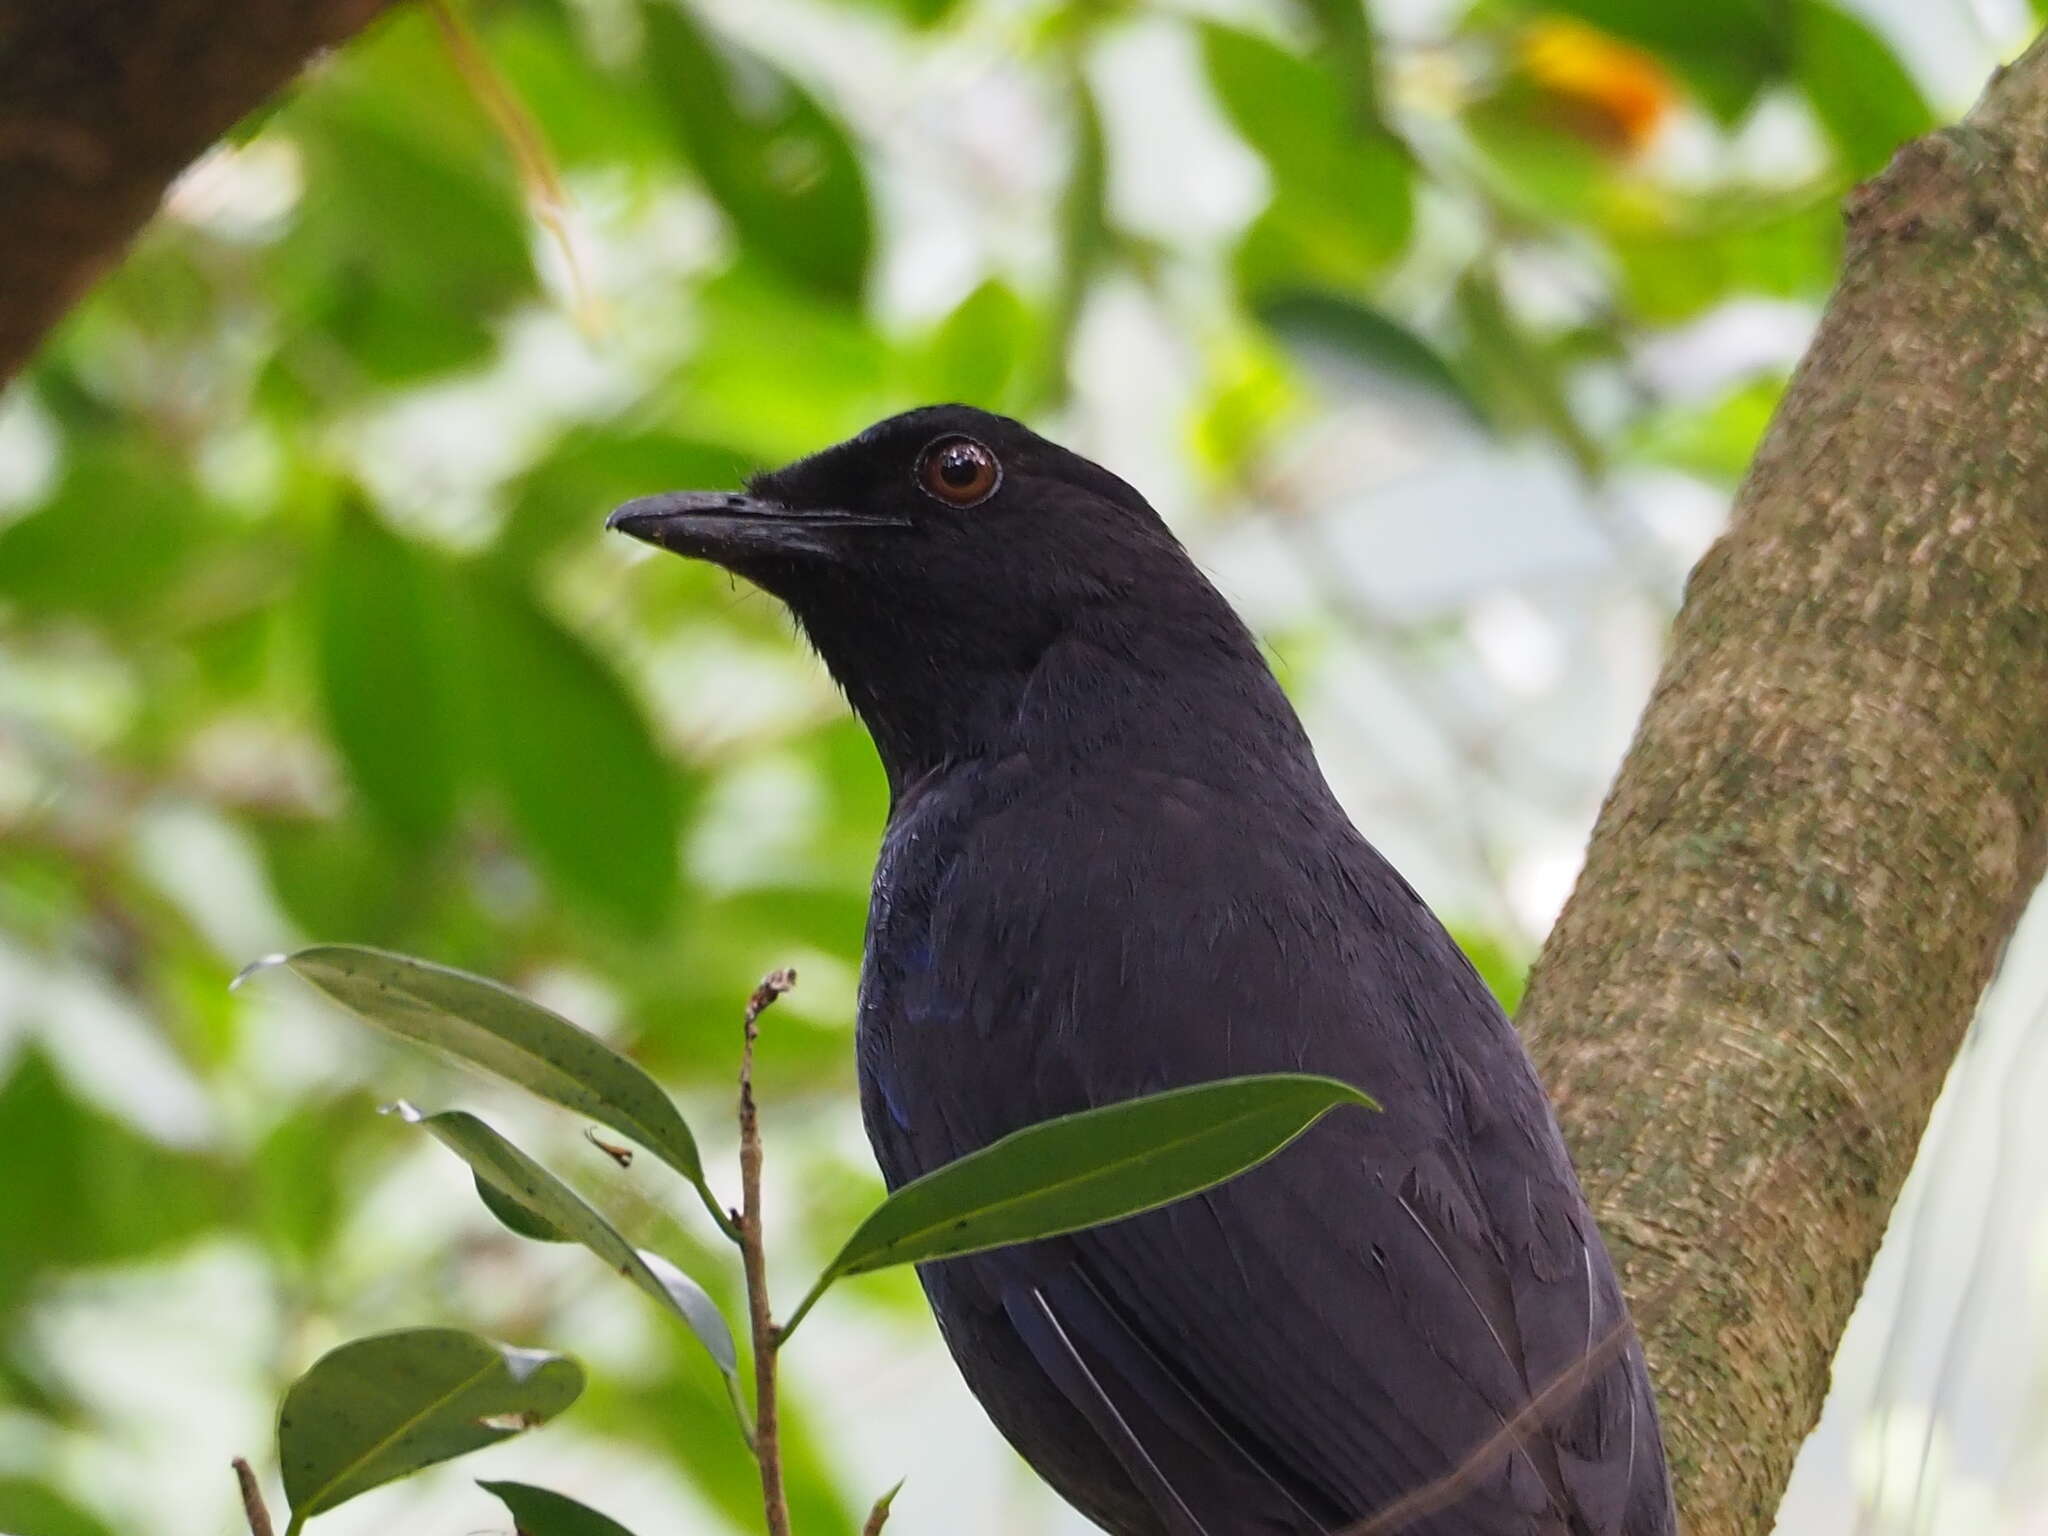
(803, 1307)
(253, 1507)
(753, 1255)
(879, 1515)
(726, 1223)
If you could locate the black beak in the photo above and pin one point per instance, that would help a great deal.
(727, 526)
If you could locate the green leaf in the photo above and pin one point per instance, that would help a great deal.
(1345, 28)
(117, 533)
(1085, 235)
(418, 240)
(782, 169)
(34, 1509)
(1343, 206)
(1715, 440)
(542, 1512)
(1863, 96)
(553, 1206)
(94, 1191)
(593, 468)
(1679, 262)
(383, 651)
(982, 353)
(575, 759)
(383, 1407)
(516, 1218)
(1523, 381)
(734, 385)
(1085, 1169)
(495, 1028)
(1316, 321)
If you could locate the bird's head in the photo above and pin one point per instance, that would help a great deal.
(936, 561)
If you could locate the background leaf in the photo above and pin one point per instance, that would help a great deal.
(781, 168)
(574, 759)
(1863, 95)
(1329, 323)
(384, 643)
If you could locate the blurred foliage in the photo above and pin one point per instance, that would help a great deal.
(308, 631)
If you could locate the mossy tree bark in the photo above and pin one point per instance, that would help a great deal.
(1831, 817)
(102, 102)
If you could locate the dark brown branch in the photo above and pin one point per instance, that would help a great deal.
(101, 105)
(1834, 810)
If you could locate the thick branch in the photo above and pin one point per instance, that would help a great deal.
(1831, 816)
(102, 102)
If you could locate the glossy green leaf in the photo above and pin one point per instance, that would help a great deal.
(783, 170)
(380, 1408)
(1862, 94)
(383, 656)
(543, 1512)
(1085, 1169)
(550, 1205)
(497, 1029)
(1319, 322)
(574, 759)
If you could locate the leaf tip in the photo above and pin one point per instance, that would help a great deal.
(261, 963)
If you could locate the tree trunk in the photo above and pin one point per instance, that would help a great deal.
(1831, 816)
(102, 102)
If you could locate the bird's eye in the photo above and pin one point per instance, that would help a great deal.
(959, 472)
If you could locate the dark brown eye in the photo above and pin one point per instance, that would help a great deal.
(959, 471)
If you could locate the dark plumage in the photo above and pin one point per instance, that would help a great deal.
(1112, 866)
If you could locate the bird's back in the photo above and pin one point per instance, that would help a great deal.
(1366, 1316)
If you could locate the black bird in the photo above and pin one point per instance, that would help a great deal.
(1111, 867)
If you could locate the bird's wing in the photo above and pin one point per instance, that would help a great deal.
(1364, 1313)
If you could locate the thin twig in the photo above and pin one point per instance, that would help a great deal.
(529, 149)
(253, 1507)
(879, 1515)
(753, 1255)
